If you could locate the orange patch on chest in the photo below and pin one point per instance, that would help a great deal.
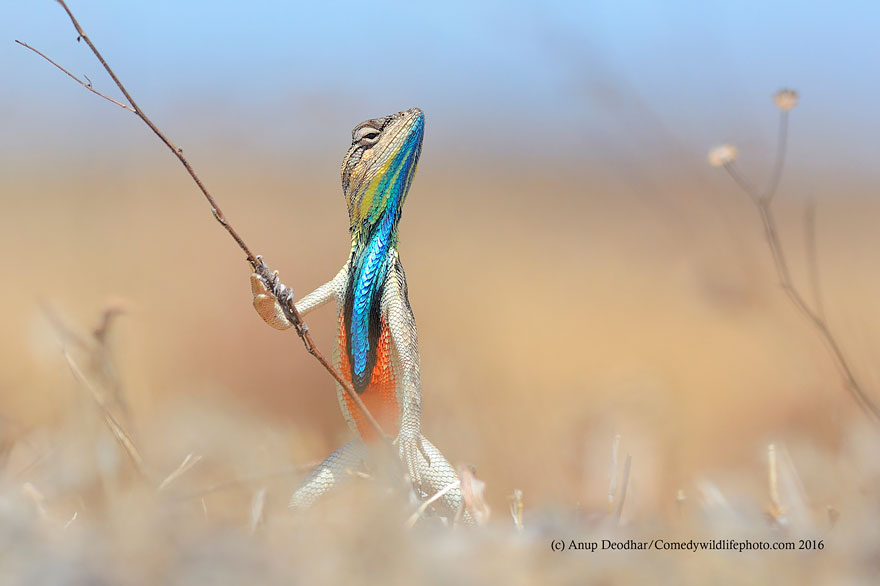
(380, 396)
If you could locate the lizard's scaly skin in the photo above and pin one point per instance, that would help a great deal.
(377, 343)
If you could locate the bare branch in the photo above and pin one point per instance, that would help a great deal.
(812, 256)
(283, 294)
(516, 508)
(779, 163)
(111, 311)
(188, 462)
(813, 316)
(747, 187)
(258, 503)
(624, 484)
(119, 432)
(178, 152)
(86, 84)
(613, 471)
(67, 334)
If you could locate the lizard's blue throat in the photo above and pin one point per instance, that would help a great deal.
(370, 263)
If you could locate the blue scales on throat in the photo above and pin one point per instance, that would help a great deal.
(371, 261)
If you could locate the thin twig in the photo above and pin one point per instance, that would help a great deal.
(624, 483)
(516, 508)
(188, 462)
(284, 295)
(111, 311)
(100, 359)
(773, 478)
(66, 333)
(747, 187)
(42, 457)
(86, 84)
(29, 491)
(258, 503)
(613, 471)
(771, 235)
(178, 152)
(777, 510)
(812, 257)
(119, 432)
(779, 163)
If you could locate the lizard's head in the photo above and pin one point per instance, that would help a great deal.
(379, 168)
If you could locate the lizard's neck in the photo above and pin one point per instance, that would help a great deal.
(368, 269)
(380, 236)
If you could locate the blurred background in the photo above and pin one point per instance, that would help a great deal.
(577, 269)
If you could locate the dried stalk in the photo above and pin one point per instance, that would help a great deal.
(624, 485)
(188, 462)
(116, 428)
(816, 316)
(812, 256)
(516, 509)
(414, 518)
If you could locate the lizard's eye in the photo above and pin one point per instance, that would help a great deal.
(365, 136)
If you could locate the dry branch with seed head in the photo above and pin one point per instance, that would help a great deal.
(785, 99)
(723, 157)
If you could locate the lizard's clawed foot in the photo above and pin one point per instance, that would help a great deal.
(266, 305)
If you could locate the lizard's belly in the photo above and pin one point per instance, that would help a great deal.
(380, 395)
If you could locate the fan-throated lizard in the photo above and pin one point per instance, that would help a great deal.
(377, 344)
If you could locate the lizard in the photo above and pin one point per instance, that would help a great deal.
(376, 347)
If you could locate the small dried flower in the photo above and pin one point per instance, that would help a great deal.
(722, 155)
(785, 99)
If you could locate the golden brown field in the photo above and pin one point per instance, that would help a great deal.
(558, 306)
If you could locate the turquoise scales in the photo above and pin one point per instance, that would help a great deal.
(378, 342)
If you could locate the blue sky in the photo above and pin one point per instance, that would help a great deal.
(525, 78)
